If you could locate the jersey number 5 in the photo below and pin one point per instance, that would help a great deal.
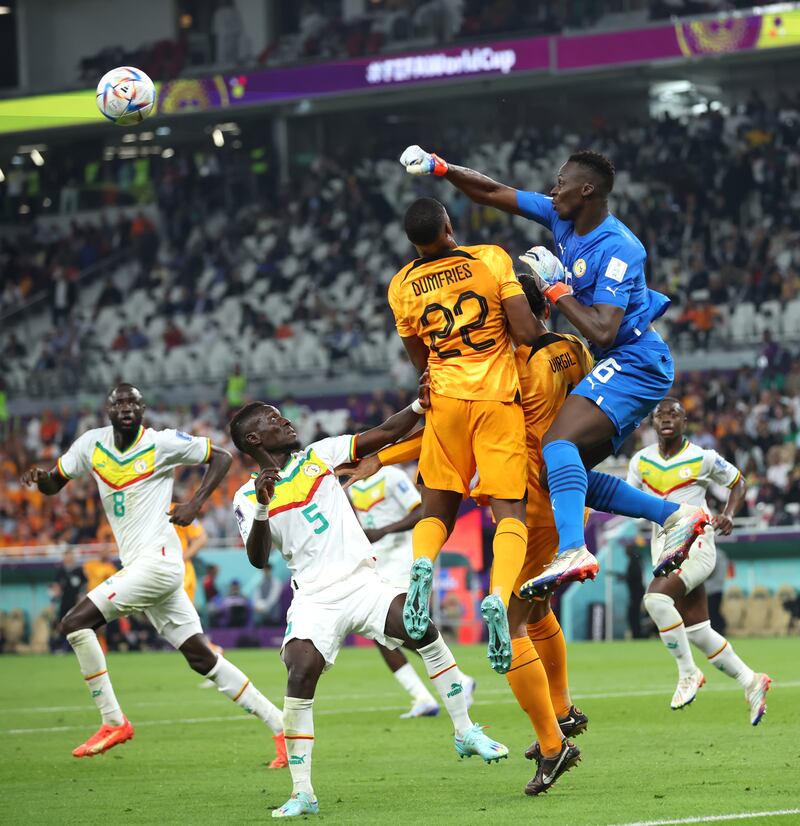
(450, 320)
(313, 516)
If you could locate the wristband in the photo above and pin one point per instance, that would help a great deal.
(417, 407)
(557, 291)
(439, 165)
(261, 512)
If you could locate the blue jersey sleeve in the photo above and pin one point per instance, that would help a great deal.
(617, 274)
(537, 207)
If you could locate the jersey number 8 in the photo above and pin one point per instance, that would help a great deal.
(450, 320)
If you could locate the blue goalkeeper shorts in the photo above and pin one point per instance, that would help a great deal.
(629, 382)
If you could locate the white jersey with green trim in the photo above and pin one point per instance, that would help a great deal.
(135, 485)
(684, 477)
(310, 519)
(382, 499)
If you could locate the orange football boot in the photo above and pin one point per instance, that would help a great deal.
(104, 739)
(281, 760)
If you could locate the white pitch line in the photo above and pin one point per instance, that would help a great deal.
(480, 694)
(712, 818)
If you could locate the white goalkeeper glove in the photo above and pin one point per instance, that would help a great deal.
(419, 162)
(548, 271)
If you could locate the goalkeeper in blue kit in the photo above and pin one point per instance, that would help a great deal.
(597, 281)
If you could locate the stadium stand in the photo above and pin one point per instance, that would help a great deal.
(234, 285)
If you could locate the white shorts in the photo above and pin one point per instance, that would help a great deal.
(357, 605)
(394, 560)
(697, 567)
(154, 585)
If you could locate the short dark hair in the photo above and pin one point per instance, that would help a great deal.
(123, 385)
(599, 164)
(424, 221)
(536, 299)
(670, 400)
(239, 424)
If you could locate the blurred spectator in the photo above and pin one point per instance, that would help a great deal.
(267, 599)
(634, 580)
(235, 388)
(235, 608)
(172, 336)
(71, 581)
(715, 585)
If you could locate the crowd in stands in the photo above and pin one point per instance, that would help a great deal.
(752, 417)
(320, 30)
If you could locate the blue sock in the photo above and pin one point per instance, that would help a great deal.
(612, 495)
(566, 477)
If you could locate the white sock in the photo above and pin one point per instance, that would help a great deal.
(298, 721)
(234, 683)
(720, 653)
(412, 683)
(449, 681)
(93, 667)
(671, 629)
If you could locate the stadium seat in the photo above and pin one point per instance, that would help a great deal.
(742, 323)
(781, 616)
(759, 612)
(734, 610)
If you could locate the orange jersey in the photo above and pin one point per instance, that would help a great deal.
(547, 373)
(186, 533)
(453, 302)
(97, 571)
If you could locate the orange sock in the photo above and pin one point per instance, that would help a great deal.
(528, 681)
(427, 538)
(509, 548)
(548, 638)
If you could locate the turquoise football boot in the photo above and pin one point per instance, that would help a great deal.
(499, 652)
(298, 804)
(415, 611)
(475, 741)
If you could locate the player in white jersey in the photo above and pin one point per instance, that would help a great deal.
(296, 503)
(387, 505)
(133, 467)
(675, 468)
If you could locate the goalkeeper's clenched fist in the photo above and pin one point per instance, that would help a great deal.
(548, 272)
(419, 162)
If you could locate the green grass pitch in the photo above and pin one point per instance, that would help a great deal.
(196, 759)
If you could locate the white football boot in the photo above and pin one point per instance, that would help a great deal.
(422, 707)
(679, 533)
(576, 565)
(756, 696)
(687, 689)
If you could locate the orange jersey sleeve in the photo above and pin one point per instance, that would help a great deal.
(547, 373)
(453, 302)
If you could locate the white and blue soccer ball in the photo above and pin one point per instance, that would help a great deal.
(126, 95)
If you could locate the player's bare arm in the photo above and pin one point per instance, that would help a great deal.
(401, 526)
(477, 187)
(417, 351)
(49, 482)
(259, 540)
(723, 522)
(598, 323)
(394, 428)
(524, 326)
(184, 513)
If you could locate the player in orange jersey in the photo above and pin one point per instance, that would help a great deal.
(538, 674)
(454, 307)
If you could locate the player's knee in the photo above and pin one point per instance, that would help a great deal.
(302, 681)
(660, 607)
(199, 656)
(70, 625)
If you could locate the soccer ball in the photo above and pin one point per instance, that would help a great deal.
(126, 95)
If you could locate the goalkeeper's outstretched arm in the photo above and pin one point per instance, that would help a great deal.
(477, 187)
(482, 189)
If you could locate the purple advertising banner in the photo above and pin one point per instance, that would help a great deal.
(719, 35)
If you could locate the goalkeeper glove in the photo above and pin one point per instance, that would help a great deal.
(419, 162)
(548, 272)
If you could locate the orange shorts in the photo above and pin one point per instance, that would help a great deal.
(190, 580)
(463, 435)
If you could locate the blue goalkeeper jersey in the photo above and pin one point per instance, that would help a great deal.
(606, 267)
